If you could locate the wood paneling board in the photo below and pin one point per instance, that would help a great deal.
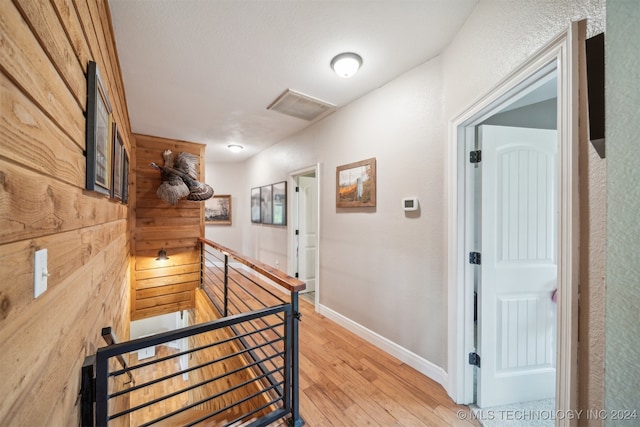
(73, 29)
(169, 221)
(167, 271)
(170, 232)
(165, 303)
(181, 256)
(43, 204)
(113, 84)
(161, 309)
(25, 62)
(149, 246)
(31, 138)
(147, 198)
(116, 72)
(149, 144)
(104, 53)
(156, 301)
(67, 252)
(32, 205)
(167, 280)
(54, 357)
(48, 29)
(87, 12)
(166, 289)
(160, 225)
(145, 213)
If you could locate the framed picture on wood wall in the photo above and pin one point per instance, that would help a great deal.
(356, 184)
(217, 210)
(125, 176)
(99, 134)
(118, 163)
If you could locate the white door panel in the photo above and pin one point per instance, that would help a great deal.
(307, 220)
(519, 265)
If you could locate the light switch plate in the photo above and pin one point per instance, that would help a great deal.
(40, 273)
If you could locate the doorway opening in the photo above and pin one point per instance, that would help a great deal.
(305, 232)
(513, 188)
(553, 200)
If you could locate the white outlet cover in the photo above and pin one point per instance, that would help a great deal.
(40, 273)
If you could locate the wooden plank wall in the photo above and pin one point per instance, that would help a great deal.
(162, 287)
(45, 46)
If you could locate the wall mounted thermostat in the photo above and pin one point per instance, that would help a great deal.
(410, 203)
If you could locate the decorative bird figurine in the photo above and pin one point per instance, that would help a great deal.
(179, 179)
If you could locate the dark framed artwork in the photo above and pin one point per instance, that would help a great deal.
(217, 210)
(99, 142)
(118, 164)
(266, 204)
(279, 203)
(356, 184)
(255, 205)
(125, 176)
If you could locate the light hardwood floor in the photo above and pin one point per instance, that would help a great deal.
(345, 381)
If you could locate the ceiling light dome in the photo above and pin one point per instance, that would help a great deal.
(235, 148)
(346, 64)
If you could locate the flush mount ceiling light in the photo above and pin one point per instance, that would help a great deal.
(235, 148)
(346, 64)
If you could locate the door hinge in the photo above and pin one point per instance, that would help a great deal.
(475, 156)
(297, 232)
(297, 189)
(296, 275)
(474, 257)
(474, 359)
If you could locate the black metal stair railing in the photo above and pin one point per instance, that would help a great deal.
(241, 369)
(237, 284)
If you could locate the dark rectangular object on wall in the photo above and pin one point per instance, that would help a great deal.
(595, 91)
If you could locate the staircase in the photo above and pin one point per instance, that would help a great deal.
(236, 365)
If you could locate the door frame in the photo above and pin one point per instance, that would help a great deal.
(565, 53)
(293, 213)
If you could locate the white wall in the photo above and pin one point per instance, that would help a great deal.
(623, 265)
(378, 267)
(542, 115)
(502, 34)
(154, 325)
(228, 178)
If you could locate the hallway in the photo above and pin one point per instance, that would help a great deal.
(345, 381)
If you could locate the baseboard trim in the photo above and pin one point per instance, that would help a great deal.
(419, 363)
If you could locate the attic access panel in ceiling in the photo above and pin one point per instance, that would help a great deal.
(302, 106)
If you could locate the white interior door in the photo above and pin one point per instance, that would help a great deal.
(517, 325)
(308, 233)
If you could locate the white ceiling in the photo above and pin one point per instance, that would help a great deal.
(205, 70)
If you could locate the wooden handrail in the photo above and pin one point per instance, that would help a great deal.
(290, 283)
